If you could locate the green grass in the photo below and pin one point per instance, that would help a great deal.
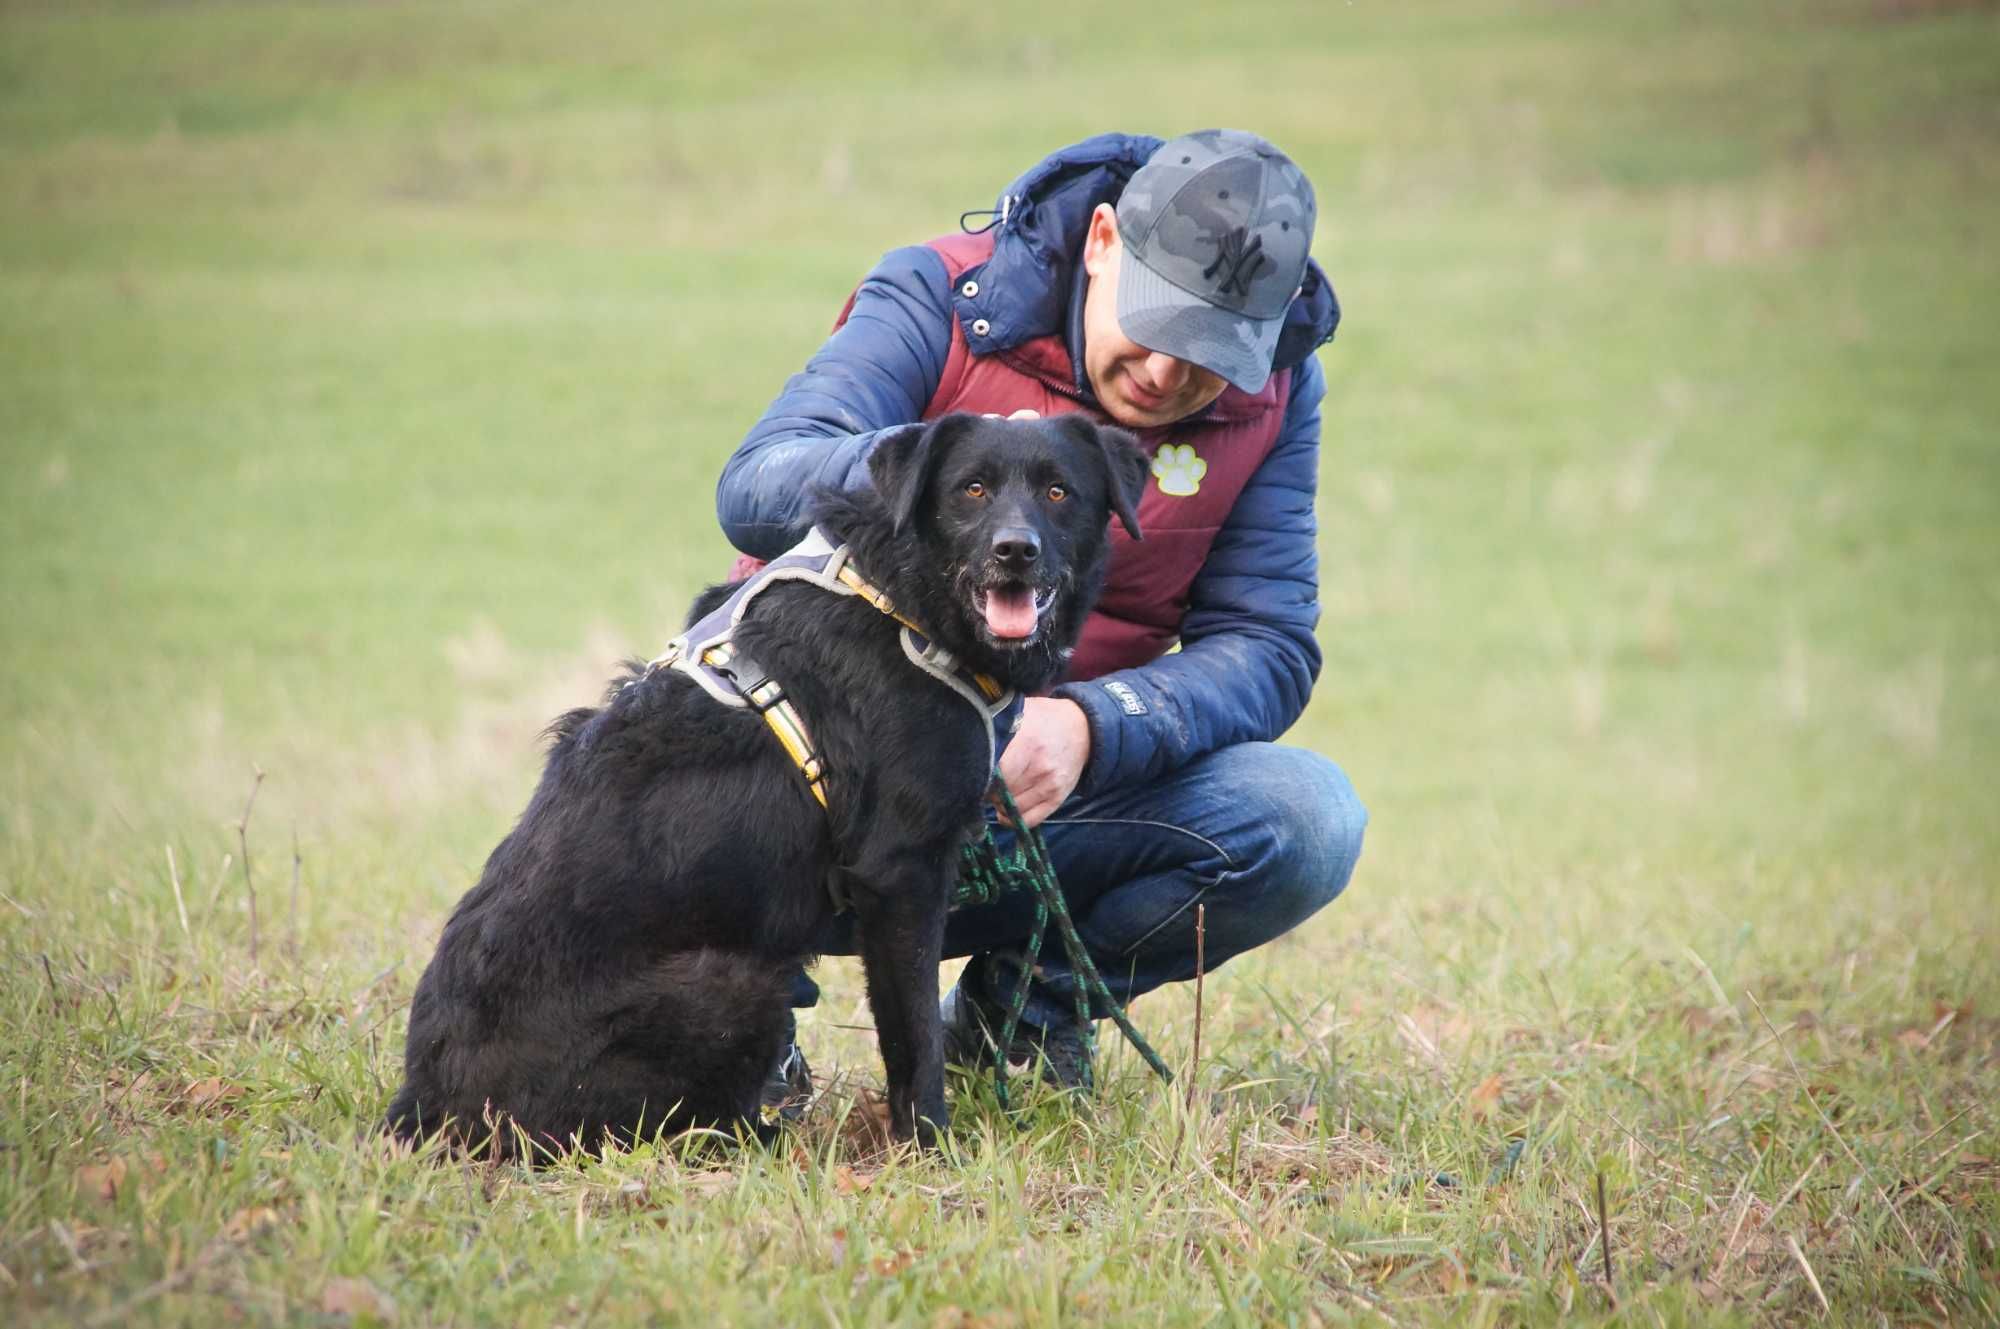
(364, 374)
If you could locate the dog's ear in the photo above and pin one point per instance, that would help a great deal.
(1126, 467)
(896, 465)
(903, 461)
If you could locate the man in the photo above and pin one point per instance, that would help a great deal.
(1166, 288)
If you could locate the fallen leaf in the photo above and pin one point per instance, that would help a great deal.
(1914, 1038)
(957, 1317)
(1486, 1097)
(888, 1266)
(867, 1126)
(356, 1296)
(709, 1183)
(102, 1181)
(248, 1222)
(210, 1094)
(1434, 1034)
(848, 1182)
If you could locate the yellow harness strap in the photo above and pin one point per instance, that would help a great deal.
(763, 694)
(769, 700)
(876, 596)
(790, 727)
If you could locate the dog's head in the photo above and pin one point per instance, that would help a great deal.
(1010, 520)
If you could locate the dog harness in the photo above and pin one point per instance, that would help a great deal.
(709, 654)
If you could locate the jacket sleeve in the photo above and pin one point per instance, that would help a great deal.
(1248, 656)
(878, 370)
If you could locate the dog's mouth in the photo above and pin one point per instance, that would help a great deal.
(1012, 611)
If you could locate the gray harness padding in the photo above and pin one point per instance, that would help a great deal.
(707, 652)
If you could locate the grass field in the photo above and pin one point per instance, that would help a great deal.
(364, 374)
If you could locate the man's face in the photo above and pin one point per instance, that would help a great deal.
(1135, 386)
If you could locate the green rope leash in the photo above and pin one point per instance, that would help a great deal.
(986, 876)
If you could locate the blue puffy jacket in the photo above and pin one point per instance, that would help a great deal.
(1248, 657)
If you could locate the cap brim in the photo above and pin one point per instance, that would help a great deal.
(1162, 317)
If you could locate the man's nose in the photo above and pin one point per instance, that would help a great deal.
(1166, 373)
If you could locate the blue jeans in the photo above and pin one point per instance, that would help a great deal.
(1263, 835)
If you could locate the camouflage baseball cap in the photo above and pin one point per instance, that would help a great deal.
(1216, 227)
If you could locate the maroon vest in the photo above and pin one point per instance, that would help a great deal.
(1199, 468)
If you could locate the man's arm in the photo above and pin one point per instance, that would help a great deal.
(878, 370)
(1248, 657)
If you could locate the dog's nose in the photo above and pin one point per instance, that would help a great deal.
(1017, 545)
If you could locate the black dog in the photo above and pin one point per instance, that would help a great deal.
(623, 965)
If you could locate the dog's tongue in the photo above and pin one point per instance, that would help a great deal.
(1010, 611)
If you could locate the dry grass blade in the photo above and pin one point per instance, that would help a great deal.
(1200, 973)
(160, 1287)
(243, 844)
(1916, 1247)
(1812, 1279)
(180, 901)
(1796, 1186)
(1194, 1057)
(1604, 1241)
(298, 863)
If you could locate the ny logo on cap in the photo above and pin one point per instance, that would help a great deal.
(1230, 250)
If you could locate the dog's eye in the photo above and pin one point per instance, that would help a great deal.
(1057, 493)
(974, 489)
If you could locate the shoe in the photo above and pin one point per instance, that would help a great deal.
(972, 1025)
(788, 1088)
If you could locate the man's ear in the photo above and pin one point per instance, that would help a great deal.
(903, 461)
(1126, 467)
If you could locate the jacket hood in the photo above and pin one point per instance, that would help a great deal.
(1024, 289)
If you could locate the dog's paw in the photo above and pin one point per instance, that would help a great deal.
(933, 1131)
(925, 1127)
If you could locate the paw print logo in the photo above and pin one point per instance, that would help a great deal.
(1178, 470)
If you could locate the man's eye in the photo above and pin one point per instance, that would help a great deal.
(974, 489)
(1057, 493)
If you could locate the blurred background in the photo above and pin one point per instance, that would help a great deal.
(365, 371)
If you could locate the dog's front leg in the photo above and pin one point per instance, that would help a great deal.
(902, 944)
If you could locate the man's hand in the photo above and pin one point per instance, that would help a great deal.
(1045, 759)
